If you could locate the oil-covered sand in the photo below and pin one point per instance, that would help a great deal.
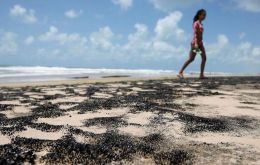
(166, 121)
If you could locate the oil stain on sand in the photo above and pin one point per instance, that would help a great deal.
(213, 121)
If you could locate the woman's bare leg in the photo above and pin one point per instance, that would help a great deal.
(191, 58)
(203, 61)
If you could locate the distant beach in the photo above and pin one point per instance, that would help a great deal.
(18, 74)
(39, 73)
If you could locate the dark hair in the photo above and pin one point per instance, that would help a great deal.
(196, 17)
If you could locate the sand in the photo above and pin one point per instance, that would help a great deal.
(124, 120)
(74, 118)
(4, 140)
(17, 111)
(37, 134)
(142, 118)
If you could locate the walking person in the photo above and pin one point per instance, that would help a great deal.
(197, 44)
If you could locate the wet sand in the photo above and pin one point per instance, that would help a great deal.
(124, 120)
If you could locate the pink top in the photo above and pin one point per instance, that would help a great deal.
(197, 33)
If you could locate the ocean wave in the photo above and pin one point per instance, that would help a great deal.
(20, 71)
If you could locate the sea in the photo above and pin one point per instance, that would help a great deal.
(43, 73)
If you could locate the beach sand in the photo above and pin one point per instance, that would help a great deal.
(126, 120)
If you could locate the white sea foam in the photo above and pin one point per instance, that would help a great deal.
(40, 73)
(49, 71)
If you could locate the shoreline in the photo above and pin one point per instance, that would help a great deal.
(109, 79)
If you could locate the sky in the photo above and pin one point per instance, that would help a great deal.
(129, 34)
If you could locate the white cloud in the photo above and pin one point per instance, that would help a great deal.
(168, 29)
(29, 40)
(140, 34)
(248, 5)
(244, 46)
(66, 44)
(247, 53)
(219, 49)
(102, 38)
(225, 52)
(256, 52)
(139, 46)
(222, 40)
(139, 42)
(142, 46)
(73, 14)
(8, 43)
(170, 5)
(26, 15)
(168, 51)
(62, 38)
(124, 4)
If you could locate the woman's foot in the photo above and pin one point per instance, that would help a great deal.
(180, 75)
(203, 77)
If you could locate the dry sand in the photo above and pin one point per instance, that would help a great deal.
(163, 120)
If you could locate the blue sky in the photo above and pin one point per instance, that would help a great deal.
(131, 34)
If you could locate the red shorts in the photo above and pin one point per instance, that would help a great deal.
(200, 44)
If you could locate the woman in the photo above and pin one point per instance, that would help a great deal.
(197, 43)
